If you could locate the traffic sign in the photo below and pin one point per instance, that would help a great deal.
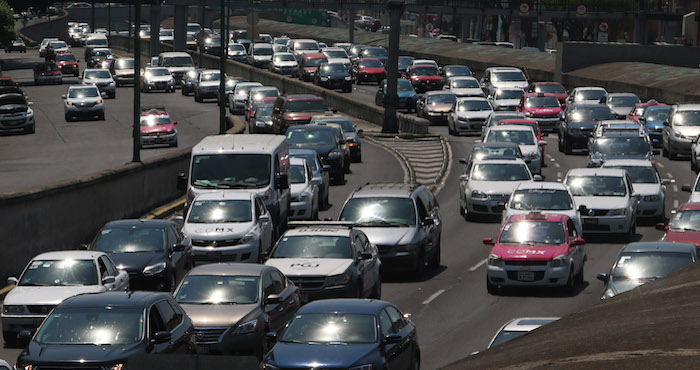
(429, 27)
(603, 27)
(346, 18)
(581, 10)
(524, 8)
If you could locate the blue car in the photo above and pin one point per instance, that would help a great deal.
(407, 95)
(318, 170)
(354, 334)
(653, 120)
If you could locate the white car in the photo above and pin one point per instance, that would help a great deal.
(468, 115)
(303, 191)
(495, 78)
(285, 64)
(236, 100)
(228, 226)
(486, 189)
(496, 117)
(166, 35)
(543, 197)
(50, 278)
(102, 79)
(338, 55)
(606, 200)
(44, 44)
(463, 86)
(236, 51)
(586, 95)
(157, 78)
(646, 182)
(694, 191)
(328, 260)
(526, 139)
(83, 101)
(620, 104)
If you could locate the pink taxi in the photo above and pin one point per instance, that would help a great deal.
(543, 108)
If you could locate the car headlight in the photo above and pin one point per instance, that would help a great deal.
(608, 294)
(651, 198)
(118, 367)
(24, 367)
(154, 269)
(246, 327)
(558, 261)
(495, 260)
(678, 134)
(361, 367)
(619, 212)
(111, 82)
(478, 195)
(348, 78)
(30, 112)
(12, 309)
(266, 366)
(338, 280)
(334, 154)
(248, 238)
(171, 131)
(305, 197)
(407, 247)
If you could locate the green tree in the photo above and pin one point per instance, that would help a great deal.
(7, 23)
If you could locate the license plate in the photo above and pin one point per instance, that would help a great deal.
(526, 276)
(590, 221)
(202, 350)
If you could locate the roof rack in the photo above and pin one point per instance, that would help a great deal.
(338, 224)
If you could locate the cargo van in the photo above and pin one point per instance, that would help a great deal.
(247, 163)
(178, 63)
(93, 41)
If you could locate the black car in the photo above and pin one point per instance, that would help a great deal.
(189, 80)
(377, 52)
(153, 252)
(578, 123)
(101, 331)
(456, 70)
(354, 52)
(97, 56)
(333, 76)
(211, 45)
(322, 139)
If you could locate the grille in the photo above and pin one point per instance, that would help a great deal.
(40, 309)
(90, 104)
(499, 197)
(477, 120)
(208, 335)
(513, 275)
(599, 212)
(526, 263)
(68, 367)
(308, 283)
(13, 122)
(215, 243)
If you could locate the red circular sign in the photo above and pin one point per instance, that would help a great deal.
(429, 27)
(581, 9)
(603, 27)
(524, 8)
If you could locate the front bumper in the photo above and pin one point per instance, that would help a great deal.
(20, 123)
(605, 224)
(124, 78)
(108, 88)
(159, 139)
(69, 70)
(15, 323)
(293, 72)
(436, 116)
(160, 85)
(548, 124)
(470, 126)
(492, 205)
(650, 208)
(236, 253)
(301, 210)
(157, 282)
(427, 86)
(226, 343)
(392, 259)
(513, 274)
(366, 77)
(48, 79)
(336, 84)
(209, 93)
(85, 111)
(680, 146)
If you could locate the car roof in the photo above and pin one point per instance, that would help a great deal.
(628, 162)
(621, 94)
(658, 246)
(597, 172)
(545, 83)
(516, 121)
(455, 78)
(504, 69)
(438, 92)
(293, 151)
(532, 94)
(510, 128)
(348, 305)
(684, 107)
(314, 56)
(133, 299)
(225, 195)
(498, 144)
(537, 216)
(527, 323)
(588, 88)
(513, 160)
(81, 86)
(302, 97)
(393, 190)
(545, 185)
(471, 98)
(251, 143)
(174, 54)
(72, 254)
(229, 269)
(139, 223)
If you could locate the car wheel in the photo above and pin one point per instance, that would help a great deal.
(567, 147)
(693, 164)
(419, 270)
(113, 95)
(415, 362)
(101, 116)
(10, 338)
(671, 154)
(560, 144)
(68, 117)
(325, 198)
(449, 128)
(632, 232)
(434, 262)
(664, 149)
(492, 289)
(197, 98)
(174, 145)
(570, 285)
(260, 253)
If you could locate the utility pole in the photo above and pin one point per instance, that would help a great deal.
(137, 83)
(92, 16)
(390, 124)
(222, 70)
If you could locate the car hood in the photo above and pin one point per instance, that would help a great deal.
(493, 187)
(690, 236)
(529, 150)
(297, 189)
(159, 78)
(506, 102)
(389, 236)
(88, 81)
(654, 124)
(406, 94)
(583, 124)
(472, 91)
(331, 356)
(692, 131)
(301, 115)
(156, 129)
(310, 69)
(440, 107)
(373, 70)
(47, 295)
(620, 111)
(223, 231)
(286, 64)
(474, 114)
(135, 262)
(217, 315)
(262, 57)
(344, 61)
(119, 72)
(647, 189)
(426, 78)
(310, 266)
(529, 252)
(73, 353)
(209, 84)
(601, 202)
(507, 84)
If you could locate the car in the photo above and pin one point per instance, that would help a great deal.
(178, 63)
(375, 335)
(550, 88)
(209, 43)
(495, 78)
(97, 55)
(47, 73)
(683, 226)
(235, 305)
(292, 110)
(207, 85)
(50, 278)
(640, 108)
(641, 262)
(586, 95)
(578, 122)
(532, 124)
(338, 55)
(342, 142)
(525, 137)
(237, 52)
(281, 40)
(191, 42)
(424, 77)
(404, 62)
(402, 220)
(67, 63)
(156, 127)
(302, 47)
(407, 95)
(122, 71)
(519, 327)
(621, 104)
(424, 62)
(260, 54)
(354, 51)
(374, 52)
(454, 70)
(7, 81)
(333, 76)
(284, 64)
(543, 108)
(16, 112)
(319, 172)
(304, 193)
(16, 45)
(543, 197)
(350, 132)
(463, 86)
(606, 200)
(653, 119)
(157, 78)
(328, 260)
(468, 115)
(435, 106)
(308, 65)
(114, 326)
(83, 101)
(496, 117)
(94, 41)
(44, 43)
(102, 79)
(619, 128)
(647, 182)
(495, 150)
(681, 127)
(621, 146)
(55, 47)
(261, 118)
(237, 99)
(153, 252)
(266, 37)
(266, 95)
(193, 28)
(105, 64)
(549, 245)
(506, 98)
(189, 80)
(364, 21)
(322, 139)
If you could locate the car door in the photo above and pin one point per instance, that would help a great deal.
(290, 299)
(274, 311)
(266, 227)
(371, 273)
(155, 325)
(574, 250)
(177, 257)
(172, 319)
(634, 202)
(391, 352)
(399, 326)
(121, 278)
(427, 228)
(104, 273)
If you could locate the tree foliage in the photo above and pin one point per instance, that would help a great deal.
(7, 23)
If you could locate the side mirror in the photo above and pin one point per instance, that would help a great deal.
(392, 339)
(665, 181)
(686, 188)
(541, 143)
(271, 336)
(366, 256)
(637, 196)
(24, 336)
(602, 276)
(463, 161)
(661, 226)
(108, 280)
(488, 241)
(182, 181)
(666, 123)
(161, 337)
(463, 177)
(83, 247)
(174, 122)
(428, 221)
(179, 220)
(264, 219)
(282, 181)
(12, 281)
(341, 142)
(104, 95)
(63, 97)
(642, 120)
(326, 167)
(273, 299)
(579, 241)
(583, 210)
(537, 178)
(179, 247)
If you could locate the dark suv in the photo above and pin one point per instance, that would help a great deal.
(293, 110)
(333, 76)
(324, 141)
(578, 123)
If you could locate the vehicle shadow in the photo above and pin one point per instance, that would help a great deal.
(607, 238)
(544, 292)
(400, 276)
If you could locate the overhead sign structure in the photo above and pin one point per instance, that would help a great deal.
(581, 10)
(524, 8)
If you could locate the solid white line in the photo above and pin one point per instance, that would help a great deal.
(670, 175)
(473, 268)
(661, 165)
(435, 295)
(675, 203)
(675, 187)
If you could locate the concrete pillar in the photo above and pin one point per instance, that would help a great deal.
(390, 123)
(351, 26)
(93, 25)
(155, 29)
(180, 29)
(252, 25)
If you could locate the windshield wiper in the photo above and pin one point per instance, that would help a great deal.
(32, 284)
(381, 223)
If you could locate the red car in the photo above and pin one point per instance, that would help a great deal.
(527, 122)
(550, 88)
(425, 77)
(157, 128)
(638, 110)
(368, 70)
(535, 249)
(293, 110)
(250, 112)
(685, 225)
(67, 63)
(543, 108)
(309, 64)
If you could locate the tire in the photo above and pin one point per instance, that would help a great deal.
(664, 151)
(492, 289)
(172, 284)
(632, 232)
(197, 98)
(113, 95)
(415, 362)
(30, 130)
(325, 198)
(570, 285)
(68, 117)
(260, 252)
(419, 270)
(449, 129)
(434, 262)
(560, 144)
(567, 147)
(693, 164)
(174, 145)
(10, 338)
(101, 116)
(671, 154)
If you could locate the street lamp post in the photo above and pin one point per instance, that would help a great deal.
(222, 70)
(390, 124)
(137, 83)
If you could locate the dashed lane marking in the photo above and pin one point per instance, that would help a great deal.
(670, 175)
(661, 165)
(556, 164)
(435, 295)
(675, 188)
(675, 203)
(473, 268)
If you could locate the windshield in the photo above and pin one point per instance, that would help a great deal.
(101, 53)
(374, 52)
(596, 186)
(183, 61)
(592, 94)
(314, 62)
(620, 146)
(500, 172)
(297, 174)
(305, 45)
(219, 289)
(466, 83)
(506, 335)
(380, 212)
(101, 73)
(520, 137)
(263, 50)
(231, 171)
(403, 85)
(165, 33)
(451, 71)
(193, 28)
(657, 114)
(331, 328)
(285, 58)
(210, 76)
(155, 120)
(425, 71)
(687, 118)
(98, 326)
(541, 200)
(640, 174)
(649, 265)
(405, 61)
(592, 113)
(311, 137)
(157, 72)
(333, 68)
(281, 40)
(623, 101)
(83, 92)
(244, 89)
(313, 105)
(262, 109)
(533, 233)
(213, 40)
(345, 123)
(335, 54)
(219, 211)
(686, 220)
(441, 99)
(59, 272)
(473, 105)
(124, 64)
(236, 47)
(310, 159)
(96, 42)
(509, 94)
(65, 58)
(512, 76)
(550, 89)
(541, 102)
(313, 246)
(259, 94)
(130, 240)
(479, 152)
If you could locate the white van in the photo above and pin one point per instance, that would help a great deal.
(93, 41)
(255, 163)
(178, 63)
